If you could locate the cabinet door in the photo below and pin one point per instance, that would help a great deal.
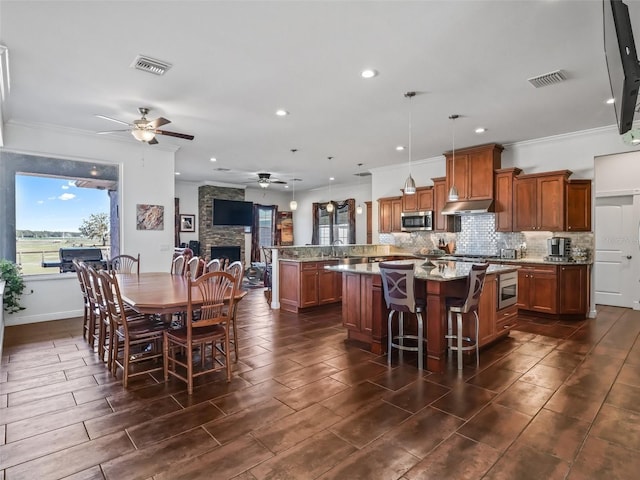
(458, 174)
(327, 287)
(480, 175)
(410, 202)
(525, 204)
(487, 311)
(439, 199)
(396, 211)
(309, 288)
(425, 199)
(504, 202)
(351, 303)
(574, 289)
(578, 206)
(543, 292)
(524, 287)
(550, 203)
(384, 216)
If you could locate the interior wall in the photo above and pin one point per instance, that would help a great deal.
(146, 177)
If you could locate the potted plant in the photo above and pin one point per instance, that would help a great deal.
(14, 285)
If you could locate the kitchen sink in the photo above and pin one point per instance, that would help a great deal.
(352, 260)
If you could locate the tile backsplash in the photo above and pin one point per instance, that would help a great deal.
(478, 237)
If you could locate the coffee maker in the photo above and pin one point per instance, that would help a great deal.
(558, 249)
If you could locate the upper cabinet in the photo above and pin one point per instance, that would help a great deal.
(421, 201)
(389, 210)
(504, 198)
(549, 201)
(443, 223)
(472, 171)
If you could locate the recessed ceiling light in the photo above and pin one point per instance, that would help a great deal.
(286, 186)
(331, 179)
(481, 130)
(213, 159)
(177, 173)
(282, 113)
(399, 148)
(610, 101)
(369, 73)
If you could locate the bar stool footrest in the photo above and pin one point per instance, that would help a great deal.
(404, 347)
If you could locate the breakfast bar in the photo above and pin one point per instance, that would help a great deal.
(364, 312)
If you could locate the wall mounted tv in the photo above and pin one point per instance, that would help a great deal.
(232, 213)
(622, 61)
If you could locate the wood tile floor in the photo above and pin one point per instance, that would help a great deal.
(556, 400)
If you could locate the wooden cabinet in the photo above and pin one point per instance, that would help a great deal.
(389, 210)
(578, 206)
(487, 311)
(442, 223)
(574, 289)
(421, 201)
(369, 223)
(558, 290)
(308, 284)
(504, 179)
(549, 201)
(472, 171)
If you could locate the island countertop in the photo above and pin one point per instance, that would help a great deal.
(440, 271)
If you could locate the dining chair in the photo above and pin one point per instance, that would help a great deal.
(462, 306)
(125, 264)
(191, 270)
(178, 265)
(236, 269)
(101, 315)
(213, 265)
(208, 329)
(85, 300)
(93, 325)
(136, 340)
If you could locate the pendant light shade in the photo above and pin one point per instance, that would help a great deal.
(359, 207)
(293, 205)
(410, 184)
(330, 207)
(453, 191)
(330, 203)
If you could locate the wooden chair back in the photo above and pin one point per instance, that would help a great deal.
(237, 271)
(217, 290)
(214, 265)
(125, 264)
(179, 265)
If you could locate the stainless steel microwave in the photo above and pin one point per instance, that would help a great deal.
(415, 221)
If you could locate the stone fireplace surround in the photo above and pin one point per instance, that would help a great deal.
(214, 235)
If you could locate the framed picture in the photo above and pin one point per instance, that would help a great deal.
(187, 223)
(149, 217)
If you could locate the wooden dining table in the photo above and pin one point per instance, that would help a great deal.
(159, 292)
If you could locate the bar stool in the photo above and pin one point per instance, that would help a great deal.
(466, 305)
(397, 282)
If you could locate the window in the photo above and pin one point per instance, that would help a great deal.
(264, 229)
(62, 186)
(337, 226)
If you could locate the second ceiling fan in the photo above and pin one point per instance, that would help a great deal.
(145, 130)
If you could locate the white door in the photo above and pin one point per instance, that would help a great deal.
(616, 236)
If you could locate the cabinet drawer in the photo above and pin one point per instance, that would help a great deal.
(544, 268)
(309, 266)
(506, 318)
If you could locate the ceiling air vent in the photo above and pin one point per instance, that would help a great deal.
(222, 169)
(363, 174)
(151, 65)
(547, 79)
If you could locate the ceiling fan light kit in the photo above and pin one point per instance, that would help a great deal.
(145, 130)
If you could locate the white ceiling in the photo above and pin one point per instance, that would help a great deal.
(236, 62)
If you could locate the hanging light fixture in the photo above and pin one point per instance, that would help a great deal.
(453, 191)
(293, 205)
(330, 204)
(359, 207)
(410, 184)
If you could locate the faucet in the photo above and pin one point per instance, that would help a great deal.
(333, 246)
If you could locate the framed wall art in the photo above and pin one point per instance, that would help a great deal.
(187, 223)
(149, 217)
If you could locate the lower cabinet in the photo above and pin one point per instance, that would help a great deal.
(308, 284)
(554, 289)
(492, 323)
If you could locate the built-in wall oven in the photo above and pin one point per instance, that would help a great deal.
(507, 289)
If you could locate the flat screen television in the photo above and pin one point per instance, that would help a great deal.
(622, 61)
(232, 213)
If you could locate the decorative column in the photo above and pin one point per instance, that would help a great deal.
(275, 280)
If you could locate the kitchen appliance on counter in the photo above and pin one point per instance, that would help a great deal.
(510, 253)
(416, 221)
(558, 249)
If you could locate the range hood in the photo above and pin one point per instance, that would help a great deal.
(468, 207)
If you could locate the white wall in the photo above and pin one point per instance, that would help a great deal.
(146, 177)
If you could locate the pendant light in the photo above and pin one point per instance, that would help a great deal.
(410, 184)
(293, 205)
(359, 207)
(330, 204)
(453, 191)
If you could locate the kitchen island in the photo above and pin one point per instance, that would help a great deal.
(364, 312)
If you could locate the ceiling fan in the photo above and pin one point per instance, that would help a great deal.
(145, 130)
(265, 179)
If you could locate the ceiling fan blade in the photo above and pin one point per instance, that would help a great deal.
(174, 134)
(113, 120)
(153, 141)
(158, 122)
(111, 131)
(279, 182)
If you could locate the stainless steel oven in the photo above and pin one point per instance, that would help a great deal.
(507, 289)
